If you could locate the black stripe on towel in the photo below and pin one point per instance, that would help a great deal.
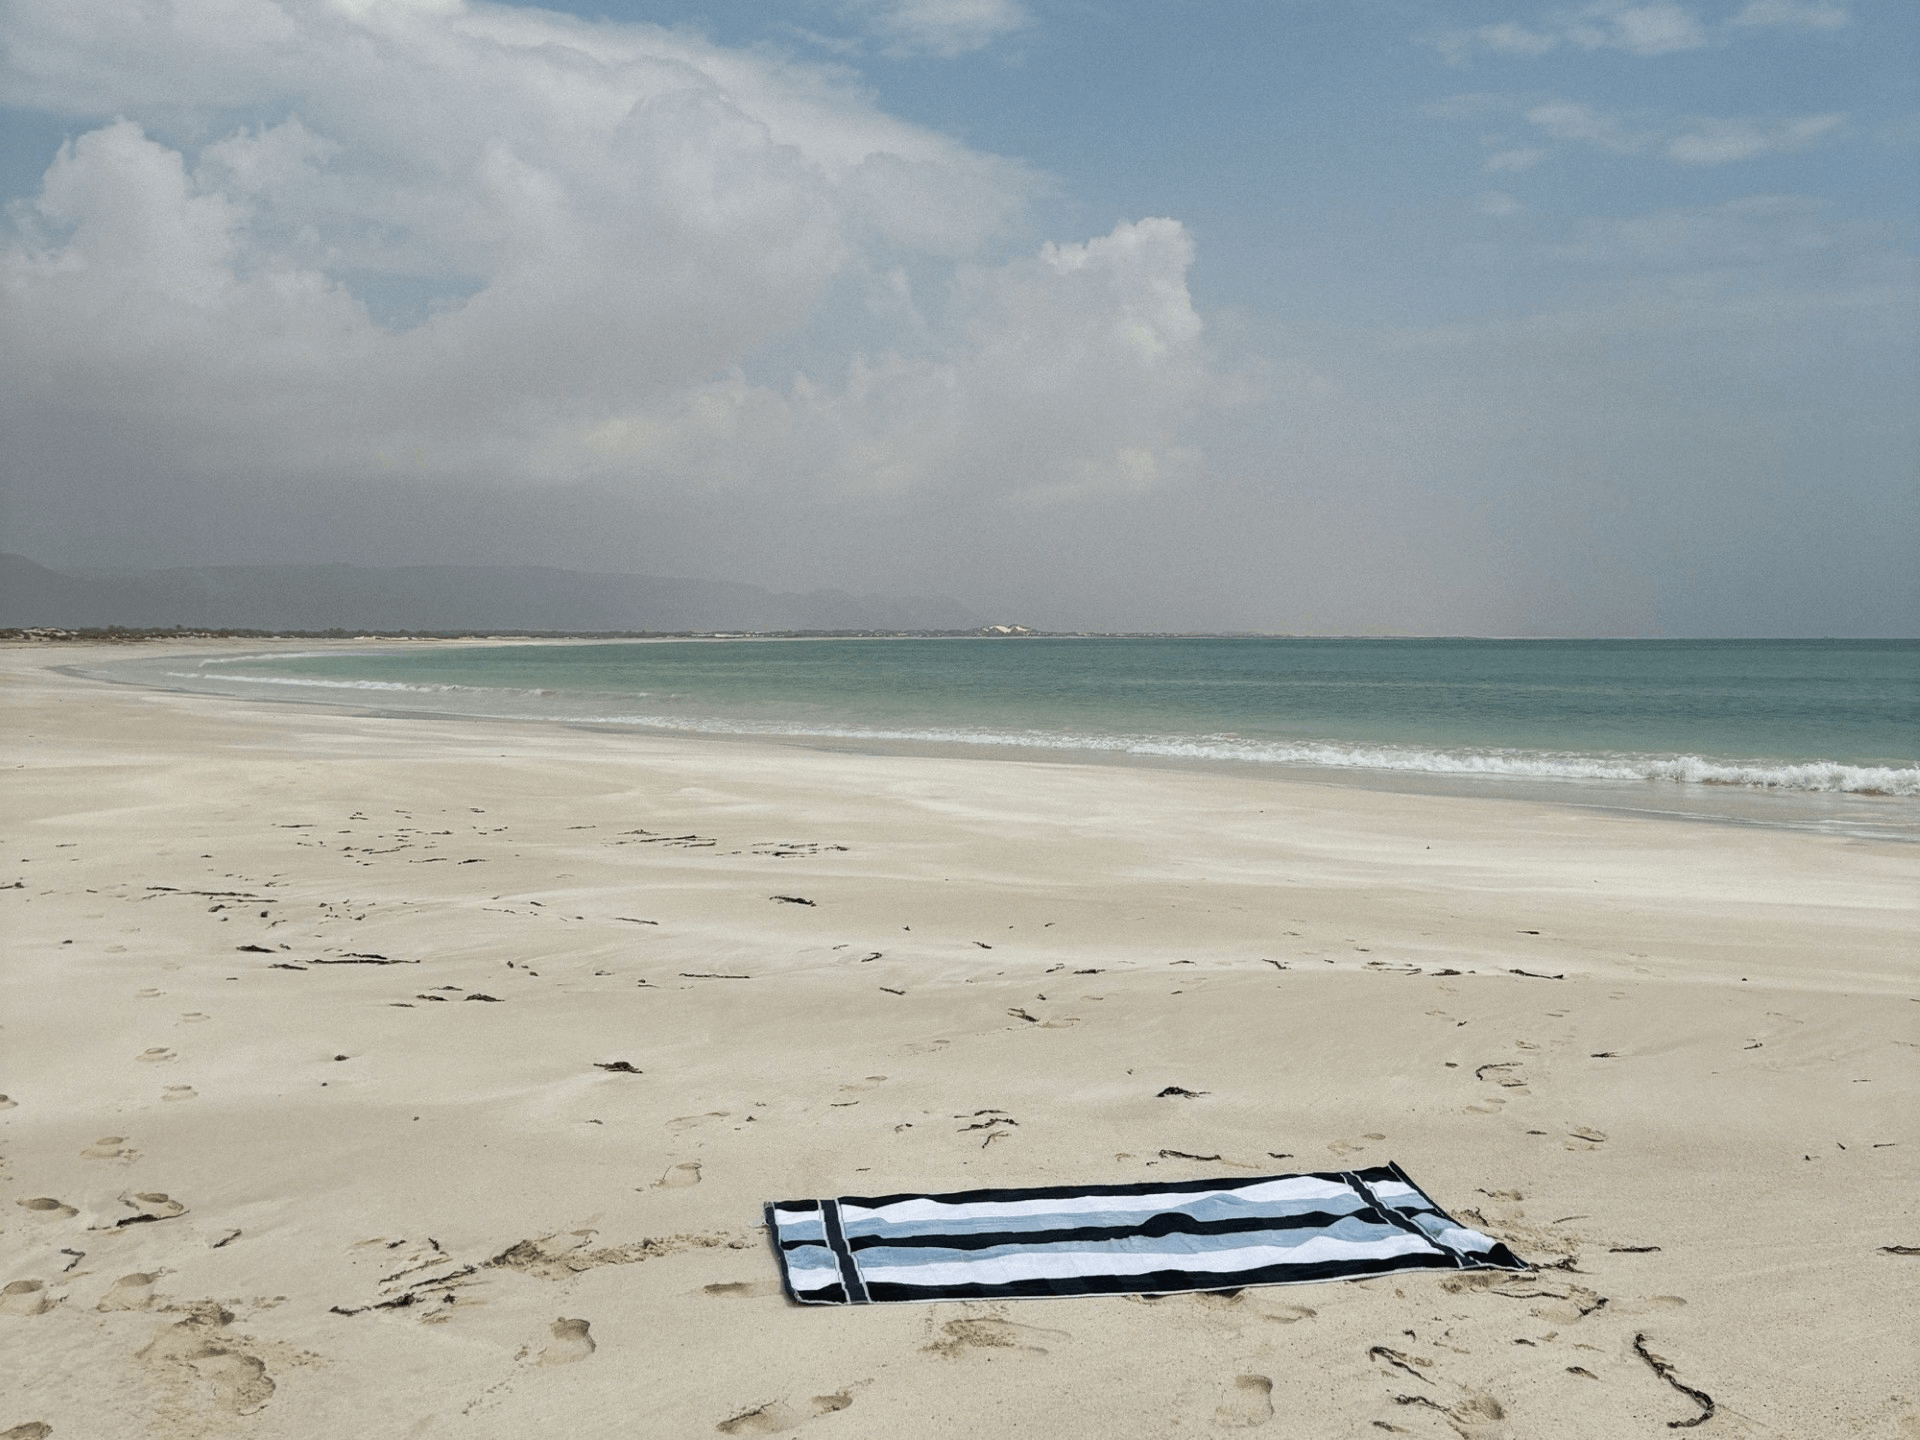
(837, 1242)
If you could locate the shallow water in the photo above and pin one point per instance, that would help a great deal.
(1819, 734)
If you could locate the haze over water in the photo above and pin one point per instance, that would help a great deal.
(1816, 733)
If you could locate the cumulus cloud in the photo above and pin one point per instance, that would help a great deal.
(1075, 367)
(352, 238)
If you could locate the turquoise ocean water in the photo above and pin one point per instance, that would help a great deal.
(1820, 734)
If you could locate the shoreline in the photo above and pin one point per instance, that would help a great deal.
(1864, 815)
(1335, 976)
(122, 635)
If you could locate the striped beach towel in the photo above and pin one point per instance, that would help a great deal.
(1145, 1239)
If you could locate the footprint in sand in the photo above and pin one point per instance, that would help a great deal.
(129, 1292)
(193, 1017)
(1247, 1404)
(1289, 1314)
(1215, 1299)
(150, 1205)
(679, 1177)
(571, 1343)
(180, 1092)
(1478, 1417)
(1578, 1303)
(158, 1055)
(6, 1104)
(193, 1357)
(32, 1430)
(742, 1289)
(1345, 1147)
(1584, 1138)
(778, 1415)
(1651, 1304)
(108, 1147)
(963, 1336)
(25, 1297)
(48, 1208)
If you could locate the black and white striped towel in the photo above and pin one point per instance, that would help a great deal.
(1154, 1238)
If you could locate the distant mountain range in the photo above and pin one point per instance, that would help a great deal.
(437, 598)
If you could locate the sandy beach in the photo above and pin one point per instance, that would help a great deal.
(1672, 1064)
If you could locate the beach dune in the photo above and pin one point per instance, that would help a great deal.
(425, 1078)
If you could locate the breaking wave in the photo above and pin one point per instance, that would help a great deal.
(1819, 776)
(390, 685)
(213, 660)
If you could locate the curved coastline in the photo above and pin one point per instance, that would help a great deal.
(1863, 801)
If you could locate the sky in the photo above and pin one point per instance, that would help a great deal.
(1356, 316)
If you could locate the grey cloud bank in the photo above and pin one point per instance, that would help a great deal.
(438, 598)
(433, 283)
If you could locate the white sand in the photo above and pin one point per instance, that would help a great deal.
(1726, 1073)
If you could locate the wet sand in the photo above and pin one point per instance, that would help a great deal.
(310, 1129)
